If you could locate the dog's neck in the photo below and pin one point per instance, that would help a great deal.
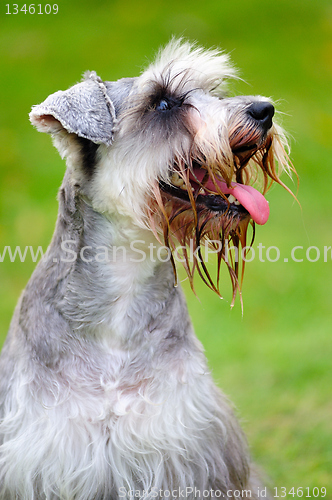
(116, 275)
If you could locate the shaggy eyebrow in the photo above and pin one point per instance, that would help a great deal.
(164, 91)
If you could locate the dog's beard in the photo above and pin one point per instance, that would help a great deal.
(199, 213)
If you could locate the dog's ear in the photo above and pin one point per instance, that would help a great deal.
(84, 109)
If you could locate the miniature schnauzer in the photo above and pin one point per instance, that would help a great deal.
(104, 388)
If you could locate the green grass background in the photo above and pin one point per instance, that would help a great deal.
(274, 361)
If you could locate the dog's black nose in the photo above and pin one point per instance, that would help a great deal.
(262, 112)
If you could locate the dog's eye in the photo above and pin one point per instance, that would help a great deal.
(163, 105)
(167, 103)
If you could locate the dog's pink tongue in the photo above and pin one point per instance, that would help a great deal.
(251, 199)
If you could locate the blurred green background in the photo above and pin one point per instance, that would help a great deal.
(274, 361)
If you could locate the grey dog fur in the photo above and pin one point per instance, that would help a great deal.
(104, 387)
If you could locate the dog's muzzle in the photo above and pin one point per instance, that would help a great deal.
(248, 136)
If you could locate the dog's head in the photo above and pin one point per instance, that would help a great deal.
(171, 151)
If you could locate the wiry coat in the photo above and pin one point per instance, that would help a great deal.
(104, 388)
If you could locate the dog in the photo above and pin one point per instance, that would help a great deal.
(104, 388)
